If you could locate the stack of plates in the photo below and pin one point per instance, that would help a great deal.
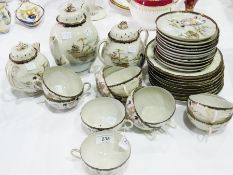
(183, 84)
(186, 41)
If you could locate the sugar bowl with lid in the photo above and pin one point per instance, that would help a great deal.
(123, 47)
(25, 67)
(73, 39)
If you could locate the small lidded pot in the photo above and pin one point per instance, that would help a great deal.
(25, 67)
(123, 47)
(5, 18)
(118, 82)
(73, 39)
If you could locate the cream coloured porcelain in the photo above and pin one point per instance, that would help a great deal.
(73, 39)
(104, 113)
(29, 14)
(150, 107)
(104, 153)
(62, 87)
(5, 18)
(118, 82)
(207, 127)
(123, 47)
(25, 67)
(210, 108)
(187, 26)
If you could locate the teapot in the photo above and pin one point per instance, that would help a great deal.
(5, 19)
(25, 67)
(73, 39)
(123, 47)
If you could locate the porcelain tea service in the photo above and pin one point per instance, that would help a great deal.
(104, 113)
(63, 88)
(25, 67)
(73, 39)
(118, 82)
(104, 152)
(5, 18)
(150, 107)
(29, 14)
(123, 47)
(209, 112)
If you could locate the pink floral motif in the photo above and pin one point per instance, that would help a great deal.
(101, 84)
(130, 108)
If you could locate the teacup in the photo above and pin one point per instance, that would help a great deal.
(150, 107)
(209, 109)
(104, 113)
(118, 82)
(62, 87)
(104, 152)
(204, 126)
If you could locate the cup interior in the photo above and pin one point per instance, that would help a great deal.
(63, 81)
(104, 155)
(103, 113)
(154, 104)
(120, 75)
(211, 100)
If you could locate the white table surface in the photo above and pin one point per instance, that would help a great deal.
(36, 140)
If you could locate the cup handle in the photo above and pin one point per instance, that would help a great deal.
(100, 50)
(127, 124)
(146, 36)
(88, 87)
(76, 153)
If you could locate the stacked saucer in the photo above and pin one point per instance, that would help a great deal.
(183, 58)
(184, 84)
(186, 41)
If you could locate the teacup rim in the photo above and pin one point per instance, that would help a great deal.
(108, 67)
(101, 129)
(59, 95)
(208, 106)
(188, 111)
(105, 169)
(148, 124)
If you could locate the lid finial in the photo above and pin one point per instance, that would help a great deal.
(21, 46)
(123, 25)
(70, 8)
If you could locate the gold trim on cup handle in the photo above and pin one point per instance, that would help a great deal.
(100, 50)
(146, 35)
(74, 152)
(86, 91)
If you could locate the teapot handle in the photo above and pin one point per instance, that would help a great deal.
(100, 50)
(146, 35)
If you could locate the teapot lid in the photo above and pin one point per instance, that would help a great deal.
(22, 53)
(71, 16)
(154, 2)
(123, 32)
